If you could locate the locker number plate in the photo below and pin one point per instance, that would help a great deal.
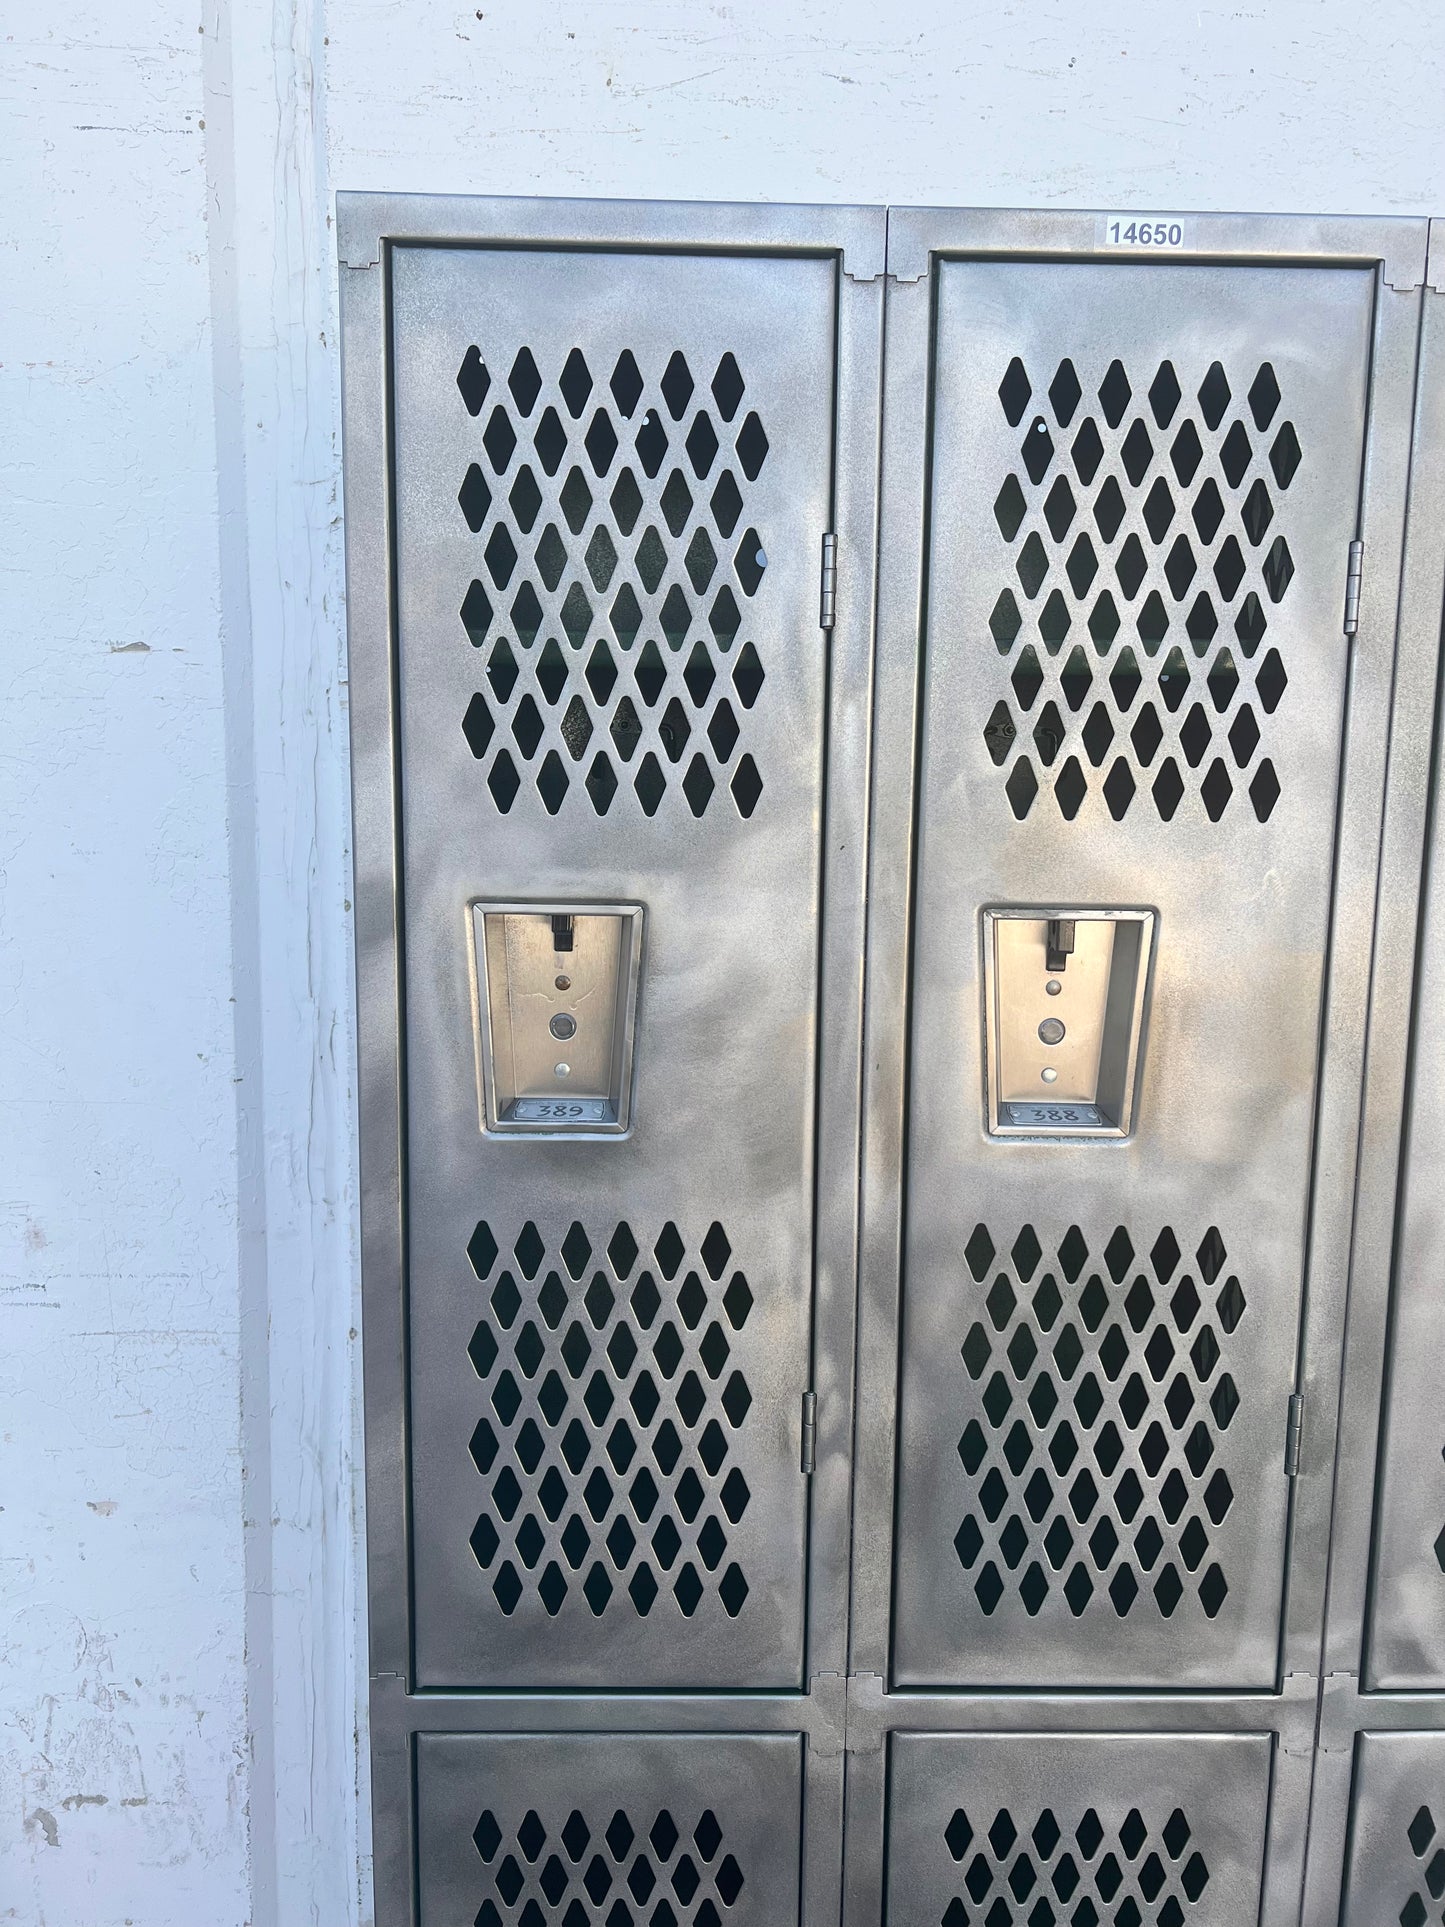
(1150, 231)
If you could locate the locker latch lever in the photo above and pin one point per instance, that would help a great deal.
(1059, 943)
(562, 928)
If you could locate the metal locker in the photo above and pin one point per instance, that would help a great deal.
(609, 468)
(1141, 525)
(840, 1457)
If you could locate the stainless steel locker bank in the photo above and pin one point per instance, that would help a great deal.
(897, 947)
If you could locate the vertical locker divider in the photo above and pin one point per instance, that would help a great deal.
(363, 295)
(851, 670)
(1362, 947)
(896, 688)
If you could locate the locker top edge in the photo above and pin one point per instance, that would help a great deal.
(1398, 243)
(365, 220)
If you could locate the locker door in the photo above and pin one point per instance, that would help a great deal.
(1144, 484)
(668, 1827)
(613, 475)
(1044, 1828)
(1397, 1851)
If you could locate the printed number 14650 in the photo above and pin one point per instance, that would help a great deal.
(1126, 231)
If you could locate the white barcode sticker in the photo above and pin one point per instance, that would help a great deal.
(1151, 232)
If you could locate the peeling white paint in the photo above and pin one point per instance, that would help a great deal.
(179, 1576)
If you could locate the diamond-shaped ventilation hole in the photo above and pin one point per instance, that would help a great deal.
(1022, 787)
(728, 387)
(1114, 393)
(473, 380)
(752, 447)
(475, 498)
(1014, 392)
(1065, 393)
(750, 562)
(499, 439)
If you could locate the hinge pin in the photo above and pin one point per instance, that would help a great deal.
(1353, 573)
(828, 592)
(810, 1431)
(1294, 1428)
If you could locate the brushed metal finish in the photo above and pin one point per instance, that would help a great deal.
(725, 1045)
(1352, 1727)
(1392, 683)
(1009, 1829)
(1407, 1632)
(526, 1826)
(1397, 245)
(1213, 1186)
(1397, 1831)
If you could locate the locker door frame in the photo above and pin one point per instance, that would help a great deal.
(1412, 872)
(1395, 249)
(854, 238)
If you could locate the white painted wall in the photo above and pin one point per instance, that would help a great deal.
(123, 1769)
(179, 1650)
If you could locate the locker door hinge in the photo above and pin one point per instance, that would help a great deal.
(828, 584)
(1354, 570)
(1293, 1427)
(810, 1431)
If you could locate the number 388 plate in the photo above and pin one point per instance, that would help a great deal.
(1152, 232)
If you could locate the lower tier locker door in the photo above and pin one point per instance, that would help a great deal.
(1144, 486)
(627, 1829)
(1397, 1832)
(1040, 1830)
(612, 481)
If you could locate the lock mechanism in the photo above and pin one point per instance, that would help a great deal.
(1065, 994)
(555, 1006)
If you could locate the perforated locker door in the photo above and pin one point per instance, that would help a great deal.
(612, 480)
(1144, 483)
(1397, 1832)
(687, 1829)
(1036, 1830)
